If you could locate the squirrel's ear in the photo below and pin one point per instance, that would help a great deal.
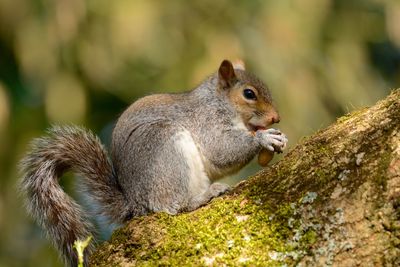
(238, 64)
(226, 74)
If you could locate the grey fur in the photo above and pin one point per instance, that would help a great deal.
(152, 167)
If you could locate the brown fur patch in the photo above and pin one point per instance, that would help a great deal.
(261, 108)
(153, 100)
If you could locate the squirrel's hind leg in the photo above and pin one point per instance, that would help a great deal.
(215, 190)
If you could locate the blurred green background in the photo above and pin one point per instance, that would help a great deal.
(83, 62)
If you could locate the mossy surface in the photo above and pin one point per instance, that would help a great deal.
(230, 230)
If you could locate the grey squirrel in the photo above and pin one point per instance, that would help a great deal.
(167, 152)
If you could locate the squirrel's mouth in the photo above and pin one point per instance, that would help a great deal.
(255, 128)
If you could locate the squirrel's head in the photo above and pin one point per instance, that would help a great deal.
(248, 94)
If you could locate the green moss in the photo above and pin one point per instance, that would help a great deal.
(351, 115)
(309, 238)
(228, 231)
(218, 234)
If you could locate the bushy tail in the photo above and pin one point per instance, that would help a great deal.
(69, 148)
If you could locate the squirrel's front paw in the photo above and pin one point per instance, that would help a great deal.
(272, 139)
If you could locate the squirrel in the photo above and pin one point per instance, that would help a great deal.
(167, 151)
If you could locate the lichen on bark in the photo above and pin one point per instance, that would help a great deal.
(334, 199)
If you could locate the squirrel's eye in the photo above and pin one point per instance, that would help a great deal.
(249, 94)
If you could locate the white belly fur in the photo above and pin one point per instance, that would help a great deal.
(198, 180)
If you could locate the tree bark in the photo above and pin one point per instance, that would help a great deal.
(334, 199)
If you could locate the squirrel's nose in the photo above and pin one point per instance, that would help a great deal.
(275, 118)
